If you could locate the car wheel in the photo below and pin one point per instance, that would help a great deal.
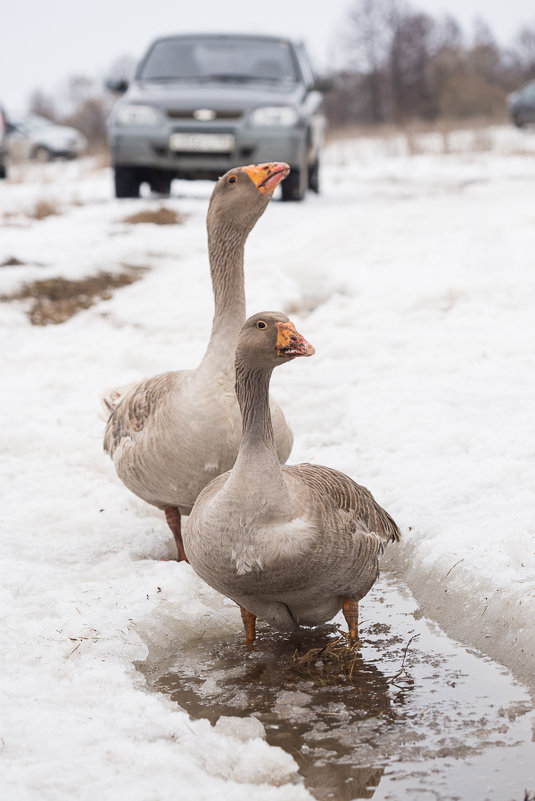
(127, 182)
(3, 171)
(294, 187)
(42, 154)
(160, 183)
(314, 177)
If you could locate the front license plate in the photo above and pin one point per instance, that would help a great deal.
(201, 142)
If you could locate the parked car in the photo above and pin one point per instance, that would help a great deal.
(3, 147)
(201, 104)
(35, 137)
(521, 105)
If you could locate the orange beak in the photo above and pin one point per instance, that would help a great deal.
(267, 177)
(291, 343)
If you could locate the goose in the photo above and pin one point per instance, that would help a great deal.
(290, 544)
(171, 434)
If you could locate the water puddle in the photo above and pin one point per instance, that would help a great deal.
(412, 714)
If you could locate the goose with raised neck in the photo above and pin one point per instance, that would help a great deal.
(290, 544)
(171, 434)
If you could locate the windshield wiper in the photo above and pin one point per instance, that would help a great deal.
(239, 77)
(225, 77)
(171, 78)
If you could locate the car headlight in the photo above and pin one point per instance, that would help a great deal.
(137, 115)
(283, 116)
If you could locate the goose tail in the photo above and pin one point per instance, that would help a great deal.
(112, 398)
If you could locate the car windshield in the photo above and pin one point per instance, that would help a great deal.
(528, 92)
(34, 123)
(225, 59)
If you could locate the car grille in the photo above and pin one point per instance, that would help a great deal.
(179, 114)
(243, 153)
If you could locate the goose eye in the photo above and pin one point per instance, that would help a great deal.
(232, 179)
(261, 324)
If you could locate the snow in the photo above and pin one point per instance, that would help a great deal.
(412, 275)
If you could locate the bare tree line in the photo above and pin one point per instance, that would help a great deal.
(402, 64)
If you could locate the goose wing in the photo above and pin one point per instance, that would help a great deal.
(346, 495)
(132, 407)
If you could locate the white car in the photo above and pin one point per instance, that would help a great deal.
(35, 137)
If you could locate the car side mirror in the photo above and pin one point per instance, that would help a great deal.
(116, 85)
(323, 84)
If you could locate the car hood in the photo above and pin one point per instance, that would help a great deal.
(219, 96)
(57, 136)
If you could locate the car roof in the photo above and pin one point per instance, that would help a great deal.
(227, 35)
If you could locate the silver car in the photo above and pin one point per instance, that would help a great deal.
(34, 137)
(200, 104)
(521, 105)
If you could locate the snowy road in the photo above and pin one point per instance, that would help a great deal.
(413, 278)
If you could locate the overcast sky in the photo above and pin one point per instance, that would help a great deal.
(42, 43)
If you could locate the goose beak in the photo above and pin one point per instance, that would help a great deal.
(291, 343)
(267, 177)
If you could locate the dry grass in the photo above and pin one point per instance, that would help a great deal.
(44, 208)
(334, 661)
(413, 127)
(12, 261)
(161, 216)
(55, 300)
(339, 666)
(40, 210)
(339, 662)
(418, 138)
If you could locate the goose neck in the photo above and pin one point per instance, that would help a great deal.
(252, 390)
(257, 476)
(226, 253)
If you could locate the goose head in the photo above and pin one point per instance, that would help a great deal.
(242, 194)
(268, 339)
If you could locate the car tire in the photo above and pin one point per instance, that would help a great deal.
(294, 187)
(127, 182)
(160, 183)
(3, 171)
(42, 154)
(314, 176)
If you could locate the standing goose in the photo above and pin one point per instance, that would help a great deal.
(171, 434)
(291, 544)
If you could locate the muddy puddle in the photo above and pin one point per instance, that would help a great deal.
(412, 715)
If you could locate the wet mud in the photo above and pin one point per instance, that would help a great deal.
(410, 714)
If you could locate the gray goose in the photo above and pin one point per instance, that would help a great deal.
(291, 544)
(171, 434)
